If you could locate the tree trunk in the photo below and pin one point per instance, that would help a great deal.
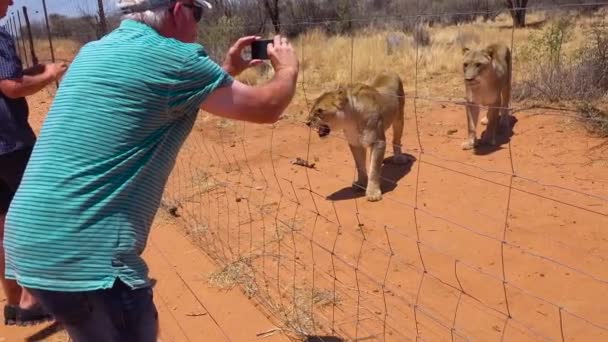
(272, 7)
(224, 7)
(518, 12)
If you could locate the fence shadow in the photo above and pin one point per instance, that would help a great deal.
(46, 332)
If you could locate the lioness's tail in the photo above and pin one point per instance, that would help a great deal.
(401, 94)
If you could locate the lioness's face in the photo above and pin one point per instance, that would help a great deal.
(326, 113)
(475, 65)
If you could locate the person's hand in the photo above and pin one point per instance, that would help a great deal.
(57, 70)
(234, 63)
(282, 55)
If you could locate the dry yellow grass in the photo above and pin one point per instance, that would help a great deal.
(64, 49)
(330, 61)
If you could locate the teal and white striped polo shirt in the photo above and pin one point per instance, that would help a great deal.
(83, 211)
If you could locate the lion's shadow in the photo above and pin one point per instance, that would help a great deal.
(503, 138)
(391, 174)
(323, 339)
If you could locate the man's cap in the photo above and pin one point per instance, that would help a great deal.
(136, 6)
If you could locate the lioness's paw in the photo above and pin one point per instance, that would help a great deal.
(401, 159)
(468, 145)
(373, 195)
(484, 120)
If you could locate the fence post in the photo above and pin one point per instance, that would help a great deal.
(22, 36)
(102, 18)
(48, 32)
(29, 33)
(9, 25)
(20, 50)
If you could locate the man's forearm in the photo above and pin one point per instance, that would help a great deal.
(280, 90)
(260, 104)
(27, 85)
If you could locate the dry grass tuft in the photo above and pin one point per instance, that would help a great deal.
(595, 119)
(204, 182)
(297, 311)
(299, 317)
(239, 273)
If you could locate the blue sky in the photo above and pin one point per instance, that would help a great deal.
(65, 7)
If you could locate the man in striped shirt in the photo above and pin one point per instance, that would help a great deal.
(16, 141)
(80, 220)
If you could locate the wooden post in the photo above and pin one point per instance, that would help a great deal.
(102, 18)
(29, 33)
(48, 32)
(20, 39)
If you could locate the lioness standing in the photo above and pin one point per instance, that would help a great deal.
(487, 79)
(364, 113)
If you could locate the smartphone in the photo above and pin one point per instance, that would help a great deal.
(258, 49)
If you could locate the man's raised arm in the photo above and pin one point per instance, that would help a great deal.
(260, 104)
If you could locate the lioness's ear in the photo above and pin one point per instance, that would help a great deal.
(490, 51)
(341, 97)
(465, 50)
(341, 94)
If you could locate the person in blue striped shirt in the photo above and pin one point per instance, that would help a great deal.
(81, 217)
(16, 141)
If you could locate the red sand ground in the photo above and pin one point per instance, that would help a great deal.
(360, 266)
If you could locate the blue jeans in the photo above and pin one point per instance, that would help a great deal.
(116, 314)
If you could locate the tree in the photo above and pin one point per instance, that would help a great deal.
(272, 7)
(518, 11)
(225, 7)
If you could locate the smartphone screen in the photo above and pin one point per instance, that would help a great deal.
(258, 49)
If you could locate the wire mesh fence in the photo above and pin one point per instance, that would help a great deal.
(508, 243)
(53, 30)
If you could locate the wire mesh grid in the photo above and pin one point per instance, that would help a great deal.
(332, 269)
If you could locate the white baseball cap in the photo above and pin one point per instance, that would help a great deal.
(135, 6)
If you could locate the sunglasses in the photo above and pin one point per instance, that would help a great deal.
(197, 11)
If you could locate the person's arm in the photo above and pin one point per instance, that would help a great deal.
(260, 104)
(32, 81)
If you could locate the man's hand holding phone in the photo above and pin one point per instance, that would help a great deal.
(278, 50)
